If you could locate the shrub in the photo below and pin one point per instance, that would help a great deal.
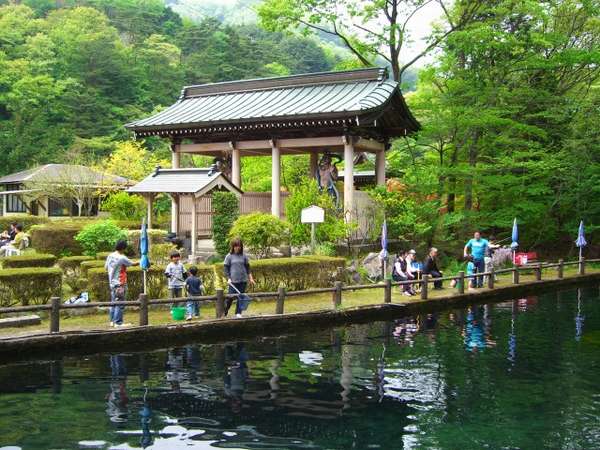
(226, 209)
(293, 273)
(28, 260)
(260, 232)
(84, 266)
(101, 236)
(123, 206)
(25, 219)
(27, 286)
(155, 237)
(304, 195)
(159, 254)
(97, 284)
(57, 238)
(70, 266)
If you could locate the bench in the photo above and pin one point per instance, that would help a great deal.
(524, 258)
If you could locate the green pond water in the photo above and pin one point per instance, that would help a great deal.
(523, 374)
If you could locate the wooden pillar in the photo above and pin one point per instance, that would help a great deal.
(348, 178)
(175, 163)
(314, 164)
(275, 179)
(194, 225)
(236, 167)
(175, 203)
(380, 168)
(149, 201)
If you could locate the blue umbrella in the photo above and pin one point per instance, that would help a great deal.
(384, 253)
(144, 261)
(515, 236)
(580, 242)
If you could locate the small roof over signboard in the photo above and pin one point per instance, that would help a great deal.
(194, 181)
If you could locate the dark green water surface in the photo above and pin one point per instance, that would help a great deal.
(523, 374)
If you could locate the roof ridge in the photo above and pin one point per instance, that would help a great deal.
(308, 79)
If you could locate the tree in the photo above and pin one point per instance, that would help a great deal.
(131, 160)
(370, 29)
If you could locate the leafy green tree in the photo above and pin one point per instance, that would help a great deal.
(260, 232)
(370, 29)
(226, 209)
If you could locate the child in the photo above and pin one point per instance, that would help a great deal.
(176, 274)
(193, 286)
(470, 270)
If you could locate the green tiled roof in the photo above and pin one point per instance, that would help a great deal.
(356, 98)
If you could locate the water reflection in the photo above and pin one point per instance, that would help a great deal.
(401, 384)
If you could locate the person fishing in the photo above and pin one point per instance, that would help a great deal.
(176, 275)
(236, 268)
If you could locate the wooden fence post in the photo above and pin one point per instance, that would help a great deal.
(424, 286)
(220, 303)
(515, 275)
(461, 282)
(337, 295)
(280, 300)
(55, 315)
(491, 278)
(387, 291)
(143, 310)
(581, 270)
(561, 268)
(538, 272)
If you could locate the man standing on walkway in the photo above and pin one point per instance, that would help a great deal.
(479, 248)
(116, 265)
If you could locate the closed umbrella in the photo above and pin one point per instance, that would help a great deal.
(515, 238)
(384, 253)
(581, 242)
(144, 261)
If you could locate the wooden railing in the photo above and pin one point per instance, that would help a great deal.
(143, 303)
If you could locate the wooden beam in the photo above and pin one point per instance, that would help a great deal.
(286, 146)
(369, 145)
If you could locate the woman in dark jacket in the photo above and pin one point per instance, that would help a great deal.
(237, 271)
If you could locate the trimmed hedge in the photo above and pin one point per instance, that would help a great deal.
(25, 219)
(155, 237)
(294, 273)
(90, 264)
(28, 260)
(28, 286)
(97, 282)
(70, 265)
(57, 238)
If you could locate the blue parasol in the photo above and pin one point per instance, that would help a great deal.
(581, 242)
(384, 253)
(515, 236)
(144, 261)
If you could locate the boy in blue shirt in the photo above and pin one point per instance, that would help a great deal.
(193, 287)
(479, 248)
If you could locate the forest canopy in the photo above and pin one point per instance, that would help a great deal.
(509, 102)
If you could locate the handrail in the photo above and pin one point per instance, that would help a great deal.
(143, 302)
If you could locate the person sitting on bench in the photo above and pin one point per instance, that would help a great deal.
(20, 242)
(430, 267)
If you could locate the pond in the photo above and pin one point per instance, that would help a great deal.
(518, 374)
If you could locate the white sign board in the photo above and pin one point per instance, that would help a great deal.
(313, 214)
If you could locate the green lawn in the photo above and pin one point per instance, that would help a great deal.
(99, 320)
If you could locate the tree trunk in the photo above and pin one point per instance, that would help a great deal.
(451, 201)
(469, 178)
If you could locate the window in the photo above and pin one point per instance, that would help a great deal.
(14, 204)
(57, 208)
